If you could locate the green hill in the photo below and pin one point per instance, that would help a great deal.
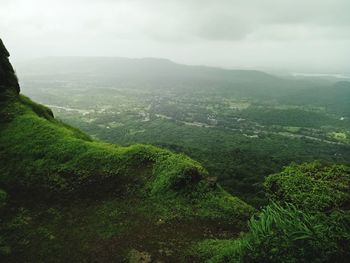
(68, 198)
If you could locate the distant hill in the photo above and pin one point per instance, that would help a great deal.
(120, 67)
(159, 74)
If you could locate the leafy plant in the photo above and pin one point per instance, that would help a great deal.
(284, 234)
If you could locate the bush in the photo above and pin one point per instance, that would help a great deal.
(311, 186)
(176, 172)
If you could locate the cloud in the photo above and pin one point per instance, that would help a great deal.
(178, 28)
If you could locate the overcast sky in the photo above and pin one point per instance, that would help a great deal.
(293, 35)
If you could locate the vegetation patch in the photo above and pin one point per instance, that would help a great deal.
(307, 220)
(311, 186)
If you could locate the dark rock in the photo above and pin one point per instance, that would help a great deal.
(8, 79)
(212, 180)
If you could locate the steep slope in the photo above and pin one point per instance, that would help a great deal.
(70, 198)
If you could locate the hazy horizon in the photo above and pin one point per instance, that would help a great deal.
(273, 36)
(21, 66)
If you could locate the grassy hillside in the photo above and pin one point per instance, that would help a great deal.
(49, 167)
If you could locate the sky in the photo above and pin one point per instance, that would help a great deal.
(310, 36)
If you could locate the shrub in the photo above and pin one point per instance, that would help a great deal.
(311, 186)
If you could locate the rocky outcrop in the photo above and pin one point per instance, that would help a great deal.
(8, 79)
